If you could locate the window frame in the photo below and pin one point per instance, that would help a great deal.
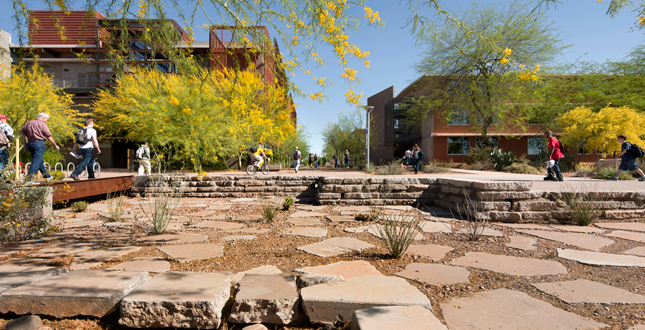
(528, 145)
(466, 149)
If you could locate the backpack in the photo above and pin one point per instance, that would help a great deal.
(4, 140)
(296, 154)
(81, 136)
(422, 156)
(636, 151)
(139, 153)
(253, 149)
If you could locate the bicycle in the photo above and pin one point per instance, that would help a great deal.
(252, 169)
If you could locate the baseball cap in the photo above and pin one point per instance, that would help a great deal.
(3, 117)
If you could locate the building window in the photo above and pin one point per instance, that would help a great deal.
(582, 150)
(458, 146)
(396, 124)
(535, 145)
(491, 139)
(459, 117)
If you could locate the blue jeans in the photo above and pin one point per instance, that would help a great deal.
(346, 161)
(555, 170)
(415, 164)
(316, 163)
(87, 161)
(37, 150)
(296, 164)
(336, 163)
(4, 158)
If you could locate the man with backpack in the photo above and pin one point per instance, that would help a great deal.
(86, 141)
(143, 155)
(629, 153)
(6, 135)
(296, 155)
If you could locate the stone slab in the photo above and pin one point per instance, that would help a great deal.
(486, 232)
(346, 269)
(191, 252)
(584, 241)
(523, 226)
(306, 231)
(243, 200)
(601, 259)
(178, 300)
(360, 229)
(88, 259)
(510, 265)
(522, 243)
(13, 276)
(637, 251)
(336, 301)
(335, 218)
(238, 238)
(25, 262)
(578, 229)
(27, 322)
(395, 317)
(304, 214)
(510, 310)
(434, 252)
(435, 227)
(628, 235)
(146, 264)
(200, 214)
(634, 226)
(251, 230)
(375, 230)
(83, 292)
(173, 238)
(262, 270)
(312, 207)
(62, 249)
(249, 218)
(434, 274)
(220, 207)
(212, 224)
(352, 208)
(68, 225)
(304, 221)
(399, 207)
(9, 250)
(265, 299)
(589, 292)
(335, 246)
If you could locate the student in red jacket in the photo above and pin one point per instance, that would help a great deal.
(555, 154)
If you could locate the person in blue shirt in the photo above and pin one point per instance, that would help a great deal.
(628, 162)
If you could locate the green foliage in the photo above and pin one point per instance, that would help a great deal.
(53, 156)
(476, 217)
(501, 159)
(269, 210)
(161, 203)
(522, 168)
(392, 168)
(286, 205)
(397, 231)
(347, 134)
(79, 206)
(57, 175)
(361, 217)
(581, 204)
(584, 170)
(608, 173)
(481, 153)
(18, 205)
(432, 168)
(115, 204)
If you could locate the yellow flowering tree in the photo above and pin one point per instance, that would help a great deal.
(597, 130)
(199, 118)
(29, 91)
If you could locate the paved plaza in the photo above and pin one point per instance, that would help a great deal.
(220, 262)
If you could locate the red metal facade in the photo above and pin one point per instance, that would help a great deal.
(51, 27)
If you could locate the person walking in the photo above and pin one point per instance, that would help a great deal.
(311, 159)
(35, 132)
(316, 160)
(143, 155)
(296, 155)
(406, 158)
(86, 147)
(335, 157)
(415, 158)
(628, 161)
(6, 136)
(347, 158)
(555, 154)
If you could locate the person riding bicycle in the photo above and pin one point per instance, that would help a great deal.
(257, 156)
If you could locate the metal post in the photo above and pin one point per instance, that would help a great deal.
(368, 111)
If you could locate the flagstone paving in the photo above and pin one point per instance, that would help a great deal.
(219, 207)
(335, 246)
(304, 221)
(434, 252)
(635, 226)
(311, 207)
(346, 269)
(396, 317)
(212, 224)
(579, 229)
(435, 227)
(601, 259)
(510, 310)
(375, 230)
(64, 248)
(88, 259)
(522, 226)
(637, 251)
(147, 264)
(243, 200)
(191, 252)
(522, 243)
(335, 218)
(110, 239)
(306, 231)
(486, 232)
(585, 241)
(25, 262)
(200, 214)
(262, 270)
(305, 214)
(250, 218)
(83, 292)
(173, 238)
(628, 235)
(336, 301)
(360, 229)
(434, 274)
(178, 300)
(265, 299)
(13, 276)
(251, 230)
(352, 208)
(589, 292)
(510, 265)
(238, 238)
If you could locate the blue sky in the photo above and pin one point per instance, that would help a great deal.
(583, 23)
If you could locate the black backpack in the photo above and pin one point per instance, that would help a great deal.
(253, 149)
(81, 136)
(636, 151)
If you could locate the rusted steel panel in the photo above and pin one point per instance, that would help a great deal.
(87, 188)
(79, 27)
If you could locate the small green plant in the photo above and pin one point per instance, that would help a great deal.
(483, 166)
(480, 154)
(79, 206)
(286, 205)
(608, 173)
(398, 230)
(581, 204)
(392, 168)
(501, 159)
(584, 170)
(115, 206)
(476, 216)
(163, 200)
(361, 217)
(19, 211)
(57, 175)
(432, 168)
(269, 210)
(522, 168)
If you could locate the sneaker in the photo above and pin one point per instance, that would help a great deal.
(614, 178)
(642, 179)
(75, 177)
(49, 179)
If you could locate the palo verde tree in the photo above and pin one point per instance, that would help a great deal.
(201, 118)
(472, 78)
(346, 134)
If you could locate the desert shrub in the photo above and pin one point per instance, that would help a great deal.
(269, 210)
(162, 203)
(362, 217)
(79, 206)
(115, 204)
(432, 168)
(480, 154)
(397, 231)
(522, 168)
(392, 168)
(482, 166)
(464, 166)
(286, 205)
(18, 211)
(501, 159)
(476, 217)
(608, 173)
(57, 175)
(585, 169)
(581, 204)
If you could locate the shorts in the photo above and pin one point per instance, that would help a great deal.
(628, 165)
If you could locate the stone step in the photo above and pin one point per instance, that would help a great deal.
(266, 299)
(396, 317)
